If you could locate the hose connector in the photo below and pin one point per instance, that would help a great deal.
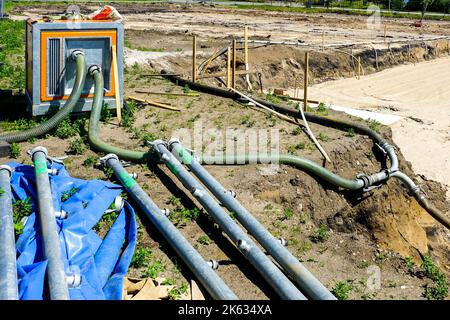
(213, 264)
(39, 149)
(171, 142)
(7, 168)
(76, 53)
(93, 69)
(109, 156)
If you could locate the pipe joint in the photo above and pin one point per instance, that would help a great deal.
(94, 69)
(61, 214)
(104, 160)
(243, 245)
(76, 53)
(213, 264)
(171, 142)
(166, 212)
(74, 280)
(39, 149)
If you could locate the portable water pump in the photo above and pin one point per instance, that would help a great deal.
(50, 69)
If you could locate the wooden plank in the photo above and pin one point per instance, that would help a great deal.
(116, 84)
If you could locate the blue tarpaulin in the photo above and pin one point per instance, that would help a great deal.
(101, 263)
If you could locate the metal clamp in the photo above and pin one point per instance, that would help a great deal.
(213, 264)
(61, 214)
(105, 159)
(7, 168)
(119, 203)
(94, 68)
(75, 53)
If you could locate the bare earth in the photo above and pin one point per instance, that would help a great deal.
(420, 94)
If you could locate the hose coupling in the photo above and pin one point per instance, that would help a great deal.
(94, 68)
(38, 149)
(7, 168)
(104, 160)
(232, 193)
(243, 245)
(373, 181)
(76, 53)
(213, 264)
(119, 203)
(74, 280)
(52, 171)
(61, 214)
(166, 212)
(172, 141)
(283, 242)
(198, 193)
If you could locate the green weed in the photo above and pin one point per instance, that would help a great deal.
(141, 257)
(341, 290)
(14, 150)
(320, 235)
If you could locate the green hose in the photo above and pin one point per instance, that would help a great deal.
(298, 162)
(137, 156)
(94, 138)
(61, 114)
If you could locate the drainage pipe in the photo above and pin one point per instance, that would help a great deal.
(281, 284)
(199, 267)
(57, 281)
(94, 137)
(8, 268)
(368, 181)
(70, 104)
(307, 282)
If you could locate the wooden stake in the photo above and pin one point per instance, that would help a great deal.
(228, 67)
(194, 58)
(247, 76)
(323, 40)
(305, 84)
(359, 68)
(233, 70)
(154, 103)
(116, 84)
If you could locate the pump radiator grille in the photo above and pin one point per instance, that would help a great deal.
(54, 84)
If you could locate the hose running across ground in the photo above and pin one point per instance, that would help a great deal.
(70, 104)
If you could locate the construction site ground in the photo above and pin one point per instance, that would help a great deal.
(384, 228)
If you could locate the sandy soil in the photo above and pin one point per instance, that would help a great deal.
(417, 92)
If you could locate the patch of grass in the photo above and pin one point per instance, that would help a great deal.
(67, 129)
(90, 161)
(14, 150)
(12, 70)
(297, 131)
(204, 240)
(410, 264)
(128, 114)
(439, 289)
(287, 214)
(186, 89)
(374, 125)
(105, 114)
(141, 257)
(67, 194)
(320, 235)
(293, 149)
(323, 137)
(247, 121)
(77, 146)
(322, 109)
(180, 215)
(341, 290)
(304, 247)
(21, 209)
(190, 122)
(154, 269)
(176, 293)
(350, 132)
(273, 98)
(106, 221)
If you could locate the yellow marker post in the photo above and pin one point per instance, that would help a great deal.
(194, 58)
(305, 83)
(116, 83)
